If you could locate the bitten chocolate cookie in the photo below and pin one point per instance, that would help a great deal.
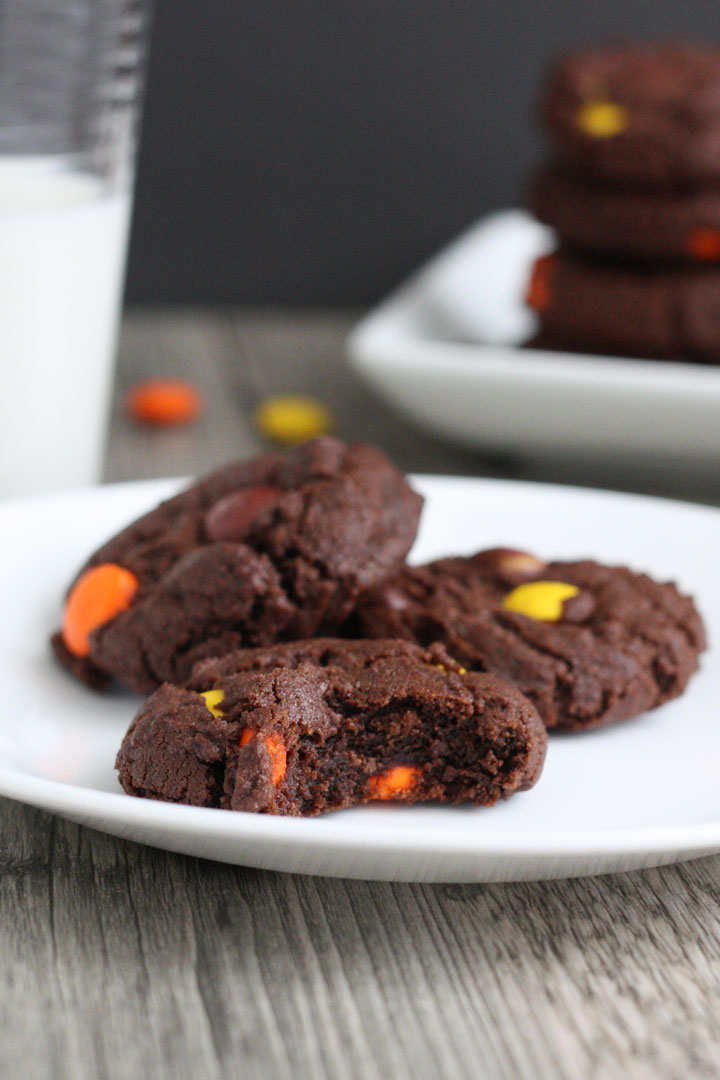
(314, 726)
(588, 644)
(629, 223)
(647, 114)
(627, 311)
(264, 550)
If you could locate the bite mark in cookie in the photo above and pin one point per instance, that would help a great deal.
(319, 725)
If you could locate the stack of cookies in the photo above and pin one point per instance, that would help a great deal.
(633, 193)
(296, 664)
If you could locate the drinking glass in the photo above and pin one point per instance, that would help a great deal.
(70, 85)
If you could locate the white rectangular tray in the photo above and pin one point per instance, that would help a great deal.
(494, 395)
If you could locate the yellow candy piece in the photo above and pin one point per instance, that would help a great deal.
(540, 599)
(602, 119)
(441, 667)
(292, 419)
(213, 698)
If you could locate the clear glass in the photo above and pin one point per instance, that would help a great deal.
(70, 85)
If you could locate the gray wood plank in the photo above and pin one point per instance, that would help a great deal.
(239, 357)
(195, 346)
(120, 961)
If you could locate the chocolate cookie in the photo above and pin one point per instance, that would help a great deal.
(588, 644)
(274, 548)
(628, 223)
(648, 114)
(314, 726)
(625, 310)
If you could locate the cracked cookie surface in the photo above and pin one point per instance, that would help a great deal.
(274, 548)
(623, 643)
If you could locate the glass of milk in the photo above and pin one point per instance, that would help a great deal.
(70, 80)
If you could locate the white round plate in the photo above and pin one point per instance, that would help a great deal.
(639, 794)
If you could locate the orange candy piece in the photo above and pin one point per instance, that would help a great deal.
(97, 596)
(275, 748)
(704, 243)
(394, 783)
(164, 402)
(539, 292)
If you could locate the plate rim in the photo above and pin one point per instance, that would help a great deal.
(128, 810)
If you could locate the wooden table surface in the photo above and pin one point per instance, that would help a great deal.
(121, 961)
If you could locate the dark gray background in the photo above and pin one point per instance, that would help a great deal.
(315, 151)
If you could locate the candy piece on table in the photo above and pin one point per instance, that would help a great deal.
(164, 402)
(97, 596)
(542, 600)
(292, 418)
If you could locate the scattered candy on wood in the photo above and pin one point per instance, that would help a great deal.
(292, 418)
(97, 596)
(164, 402)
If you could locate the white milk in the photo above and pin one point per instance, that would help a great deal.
(62, 255)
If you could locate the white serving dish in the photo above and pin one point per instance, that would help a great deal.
(445, 349)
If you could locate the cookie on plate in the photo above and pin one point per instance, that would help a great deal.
(627, 311)
(274, 548)
(646, 114)
(312, 726)
(626, 222)
(588, 644)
